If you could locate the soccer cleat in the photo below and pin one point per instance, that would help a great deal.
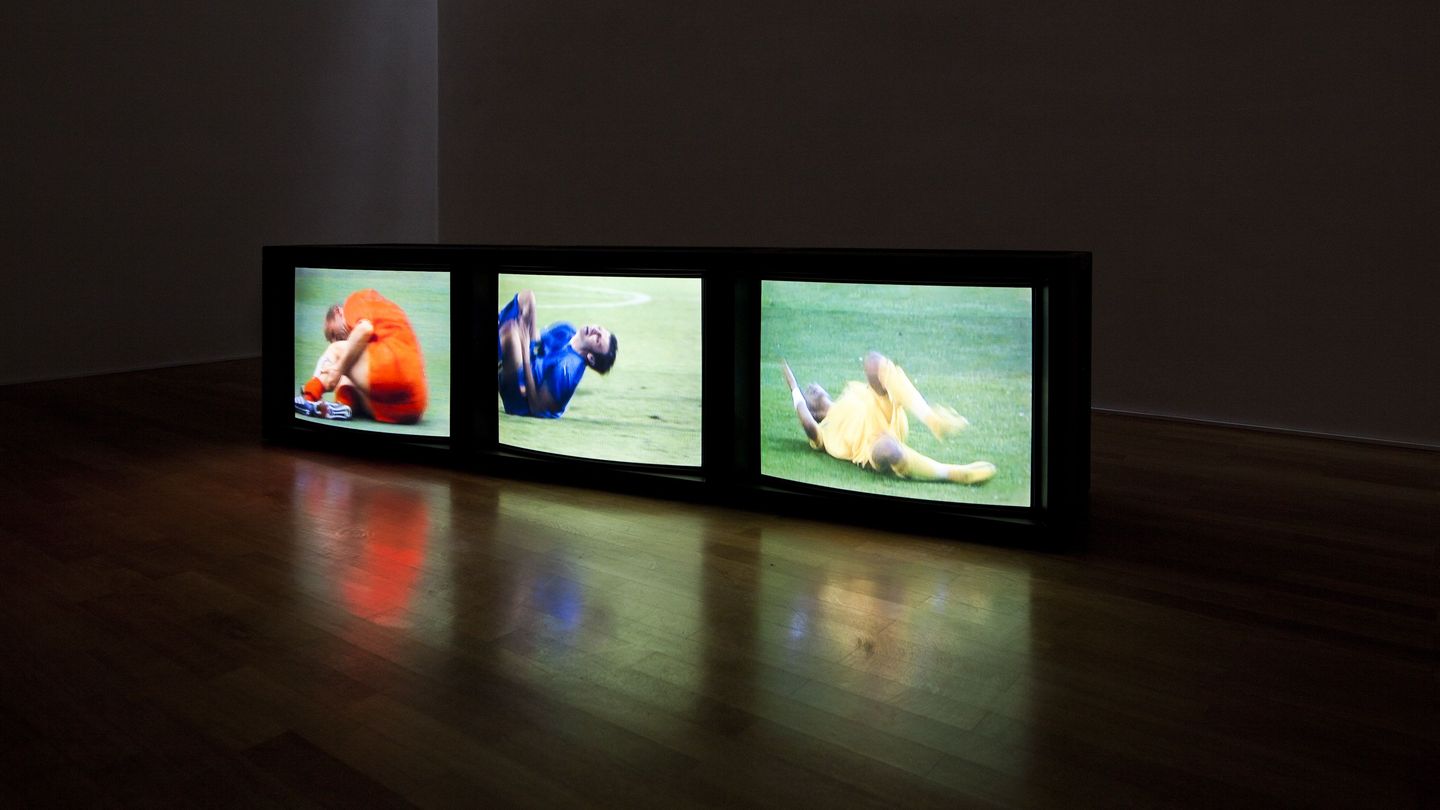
(972, 473)
(322, 409)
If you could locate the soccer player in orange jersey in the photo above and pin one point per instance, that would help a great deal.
(373, 364)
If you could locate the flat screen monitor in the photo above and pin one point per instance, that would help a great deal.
(371, 350)
(917, 391)
(602, 366)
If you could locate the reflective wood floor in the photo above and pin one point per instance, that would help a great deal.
(193, 619)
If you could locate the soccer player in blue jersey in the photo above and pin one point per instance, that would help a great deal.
(537, 372)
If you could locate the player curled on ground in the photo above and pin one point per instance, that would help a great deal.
(537, 372)
(868, 425)
(373, 364)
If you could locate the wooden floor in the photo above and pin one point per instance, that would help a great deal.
(192, 618)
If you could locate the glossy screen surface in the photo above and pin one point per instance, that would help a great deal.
(966, 350)
(399, 380)
(646, 409)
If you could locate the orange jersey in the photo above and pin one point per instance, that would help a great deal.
(397, 370)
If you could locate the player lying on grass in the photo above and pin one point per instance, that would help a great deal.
(868, 425)
(373, 364)
(537, 372)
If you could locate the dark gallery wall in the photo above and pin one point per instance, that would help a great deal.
(151, 147)
(1257, 181)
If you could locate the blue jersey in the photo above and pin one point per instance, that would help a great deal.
(556, 365)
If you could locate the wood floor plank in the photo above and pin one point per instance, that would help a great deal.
(192, 617)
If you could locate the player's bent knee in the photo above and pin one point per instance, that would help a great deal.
(874, 364)
(886, 453)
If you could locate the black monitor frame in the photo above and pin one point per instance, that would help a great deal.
(279, 267)
(693, 482)
(1060, 284)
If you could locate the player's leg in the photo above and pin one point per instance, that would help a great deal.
(888, 379)
(351, 395)
(330, 357)
(890, 454)
(359, 371)
(311, 401)
(352, 391)
(314, 389)
(802, 409)
(526, 299)
(514, 352)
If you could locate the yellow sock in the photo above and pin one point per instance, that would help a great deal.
(917, 467)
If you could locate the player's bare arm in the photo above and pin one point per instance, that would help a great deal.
(538, 398)
(353, 348)
(802, 410)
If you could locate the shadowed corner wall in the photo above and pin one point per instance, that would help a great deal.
(151, 148)
(1258, 183)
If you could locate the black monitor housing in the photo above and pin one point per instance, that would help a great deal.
(732, 375)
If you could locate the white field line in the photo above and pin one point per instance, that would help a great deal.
(627, 299)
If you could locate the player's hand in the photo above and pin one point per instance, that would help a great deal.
(334, 410)
(789, 376)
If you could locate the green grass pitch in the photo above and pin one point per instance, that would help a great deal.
(647, 409)
(966, 347)
(425, 297)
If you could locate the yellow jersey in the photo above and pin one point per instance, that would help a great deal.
(859, 417)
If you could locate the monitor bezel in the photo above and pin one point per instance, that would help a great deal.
(280, 266)
(703, 481)
(1059, 282)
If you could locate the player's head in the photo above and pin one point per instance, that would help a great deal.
(818, 400)
(599, 347)
(335, 326)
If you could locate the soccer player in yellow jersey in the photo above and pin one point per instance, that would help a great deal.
(868, 425)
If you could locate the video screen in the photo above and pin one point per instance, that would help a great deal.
(600, 367)
(372, 350)
(912, 391)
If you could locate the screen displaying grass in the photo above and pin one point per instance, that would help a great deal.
(425, 298)
(969, 348)
(646, 410)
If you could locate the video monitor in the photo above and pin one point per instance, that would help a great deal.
(372, 350)
(904, 390)
(601, 366)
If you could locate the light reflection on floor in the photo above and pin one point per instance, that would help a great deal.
(374, 548)
(570, 594)
(905, 648)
